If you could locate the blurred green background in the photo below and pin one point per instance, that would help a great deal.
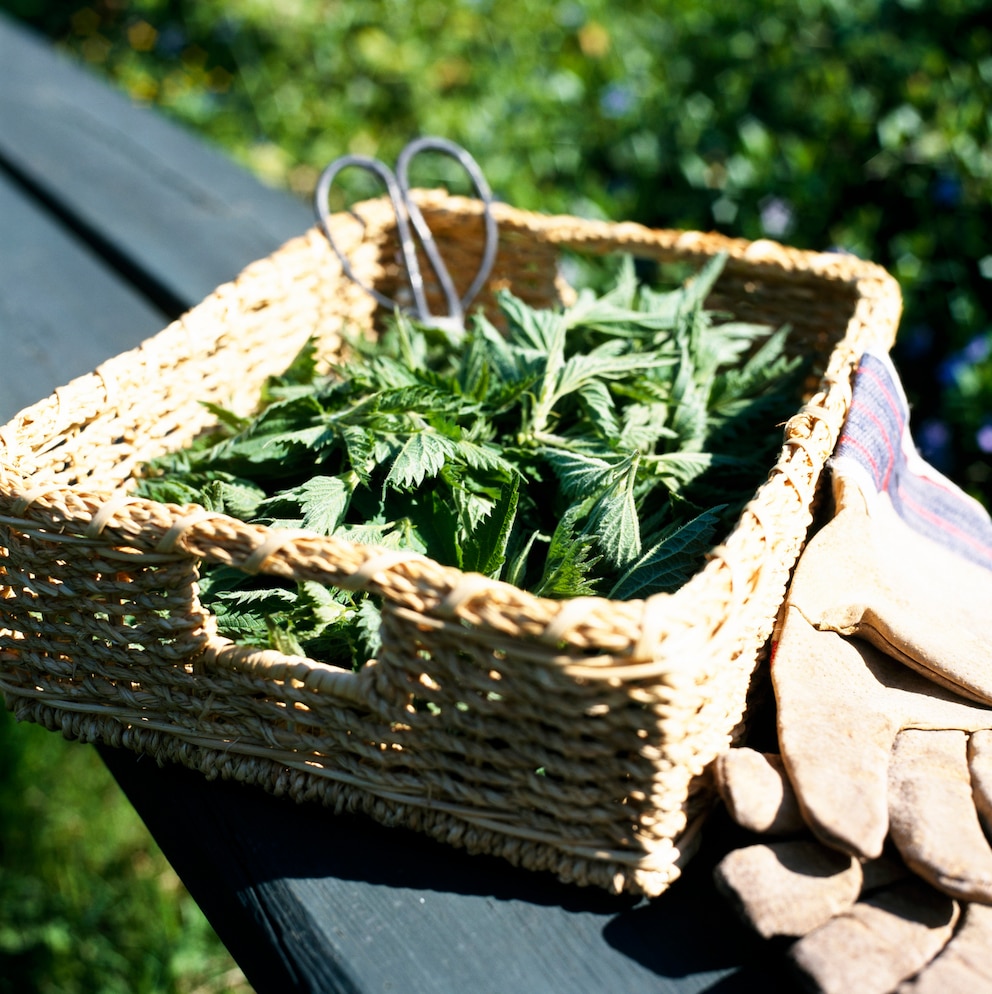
(855, 125)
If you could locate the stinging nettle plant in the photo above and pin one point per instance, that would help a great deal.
(598, 449)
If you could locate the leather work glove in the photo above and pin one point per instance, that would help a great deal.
(882, 656)
(873, 749)
(906, 560)
(865, 926)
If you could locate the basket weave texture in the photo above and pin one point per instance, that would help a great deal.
(621, 706)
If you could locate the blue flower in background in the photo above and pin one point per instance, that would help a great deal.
(916, 341)
(616, 101)
(983, 437)
(777, 216)
(172, 40)
(976, 351)
(933, 439)
(946, 190)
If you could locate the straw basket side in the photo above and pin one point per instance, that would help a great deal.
(565, 736)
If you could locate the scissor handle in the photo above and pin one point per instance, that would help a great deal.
(321, 193)
(407, 212)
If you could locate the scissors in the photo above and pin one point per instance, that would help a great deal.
(408, 213)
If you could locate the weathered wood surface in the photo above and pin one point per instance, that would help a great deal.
(176, 215)
(111, 221)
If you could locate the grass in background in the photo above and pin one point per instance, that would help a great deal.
(88, 902)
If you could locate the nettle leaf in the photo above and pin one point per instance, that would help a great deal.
(486, 346)
(283, 639)
(484, 548)
(437, 521)
(472, 506)
(644, 426)
(485, 457)
(541, 330)
(580, 370)
(359, 444)
(369, 533)
(233, 497)
(314, 610)
(248, 629)
(219, 579)
(677, 469)
(268, 600)
(728, 342)
(663, 308)
(243, 614)
(698, 288)
(690, 417)
(170, 491)
(320, 503)
(769, 369)
(475, 373)
(235, 422)
(625, 310)
(623, 294)
(599, 408)
(412, 346)
(303, 368)
(324, 501)
(297, 380)
(391, 374)
(613, 518)
(277, 443)
(367, 631)
(672, 561)
(579, 473)
(422, 454)
(570, 561)
(519, 547)
(416, 398)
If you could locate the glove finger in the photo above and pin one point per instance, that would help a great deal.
(788, 888)
(756, 790)
(964, 964)
(932, 815)
(980, 764)
(879, 942)
(835, 734)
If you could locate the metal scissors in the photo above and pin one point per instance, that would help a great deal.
(408, 213)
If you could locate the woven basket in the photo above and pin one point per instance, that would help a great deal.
(621, 705)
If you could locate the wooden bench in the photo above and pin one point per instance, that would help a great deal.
(112, 222)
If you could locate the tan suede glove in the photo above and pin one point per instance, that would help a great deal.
(882, 672)
(874, 750)
(861, 926)
(886, 630)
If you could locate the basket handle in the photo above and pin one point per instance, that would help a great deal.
(313, 676)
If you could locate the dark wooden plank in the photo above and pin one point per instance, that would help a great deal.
(181, 213)
(350, 906)
(62, 312)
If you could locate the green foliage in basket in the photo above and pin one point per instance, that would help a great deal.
(595, 449)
